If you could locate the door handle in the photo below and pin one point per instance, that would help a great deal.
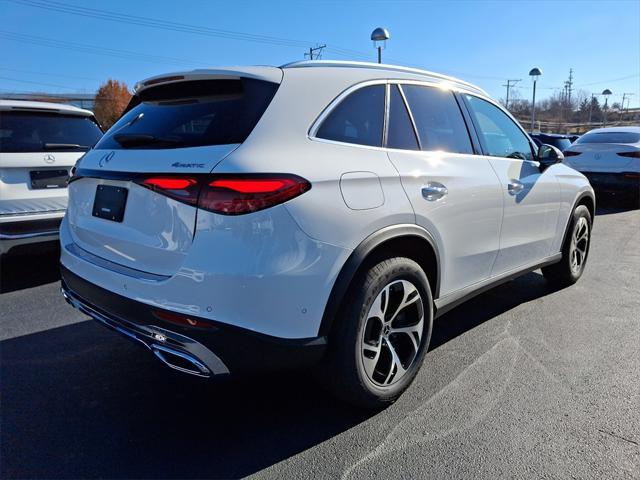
(515, 187)
(433, 191)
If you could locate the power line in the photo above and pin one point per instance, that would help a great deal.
(86, 12)
(97, 50)
(37, 83)
(49, 74)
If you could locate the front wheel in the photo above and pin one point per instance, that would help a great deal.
(574, 251)
(383, 334)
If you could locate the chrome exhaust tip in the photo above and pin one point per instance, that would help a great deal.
(180, 361)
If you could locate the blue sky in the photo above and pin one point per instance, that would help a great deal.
(484, 42)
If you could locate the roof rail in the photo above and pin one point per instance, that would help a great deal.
(380, 66)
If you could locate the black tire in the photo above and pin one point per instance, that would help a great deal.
(343, 370)
(564, 273)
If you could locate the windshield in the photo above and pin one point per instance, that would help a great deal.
(42, 132)
(560, 143)
(191, 114)
(610, 137)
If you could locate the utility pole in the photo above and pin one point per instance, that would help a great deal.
(315, 52)
(570, 86)
(625, 96)
(591, 107)
(510, 83)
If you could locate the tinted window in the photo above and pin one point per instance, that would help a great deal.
(41, 132)
(502, 137)
(191, 114)
(609, 137)
(438, 119)
(560, 143)
(400, 132)
(357, 119)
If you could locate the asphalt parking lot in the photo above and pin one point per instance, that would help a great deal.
(522, 382)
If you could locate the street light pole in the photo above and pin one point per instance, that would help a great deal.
(380, 36)
(534, 73)
(606, 92)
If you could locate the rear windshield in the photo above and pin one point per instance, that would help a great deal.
(43, 132)
(610, 137)
(191, 114)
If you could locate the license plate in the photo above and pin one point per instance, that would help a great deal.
(41, 179)
(110, 202)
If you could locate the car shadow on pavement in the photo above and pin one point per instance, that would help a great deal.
(81, 402)
(29, 266)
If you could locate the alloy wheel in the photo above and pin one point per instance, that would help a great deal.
(392, 333)
(579, 244)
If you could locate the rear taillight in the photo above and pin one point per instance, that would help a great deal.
(232, 194)
(235, 195)
(183, 189)
(634, 175)
(635, 154)
(570, 153)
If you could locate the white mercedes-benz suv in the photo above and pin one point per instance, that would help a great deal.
(317, 214)
(39, 144)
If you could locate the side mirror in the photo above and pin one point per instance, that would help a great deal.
(549, 155)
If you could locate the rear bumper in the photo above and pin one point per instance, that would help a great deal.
(22, 229)
(214, 350)
(615, 183)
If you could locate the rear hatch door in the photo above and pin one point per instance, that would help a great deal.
(172, 133)
(37, 150)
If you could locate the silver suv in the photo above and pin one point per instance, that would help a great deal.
(316, 214)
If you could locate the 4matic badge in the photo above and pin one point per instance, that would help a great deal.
(187, 165)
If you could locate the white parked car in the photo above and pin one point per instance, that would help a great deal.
(39, 144)
(320, 213)
(610, 159)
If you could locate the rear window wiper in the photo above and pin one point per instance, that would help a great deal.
(128, 140)
(65, 146)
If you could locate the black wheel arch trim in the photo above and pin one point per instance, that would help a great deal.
(577, 201)
(358, 257)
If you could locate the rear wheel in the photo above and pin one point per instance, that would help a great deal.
(381, 340)
(574, 251)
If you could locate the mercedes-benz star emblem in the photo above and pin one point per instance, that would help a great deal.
(48, 158)
(106, 158)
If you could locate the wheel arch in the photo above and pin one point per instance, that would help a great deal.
(411, 241)
(586, 198)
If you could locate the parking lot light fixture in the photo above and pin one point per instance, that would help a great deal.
(606, 92)
(534, 73)
(380, 36)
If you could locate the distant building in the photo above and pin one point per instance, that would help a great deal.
(81, 100)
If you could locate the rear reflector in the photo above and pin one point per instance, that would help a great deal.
(635, 154)
(232, 194)
(569, 153)
(180, 319)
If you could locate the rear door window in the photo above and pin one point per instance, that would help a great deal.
(358, 118)
(24, 131)
(438, 119)
(500, 134)
(400, 133)
(191, 114)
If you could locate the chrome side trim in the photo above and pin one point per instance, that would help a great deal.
(81, 253)
(6, 236)
(160, 341)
